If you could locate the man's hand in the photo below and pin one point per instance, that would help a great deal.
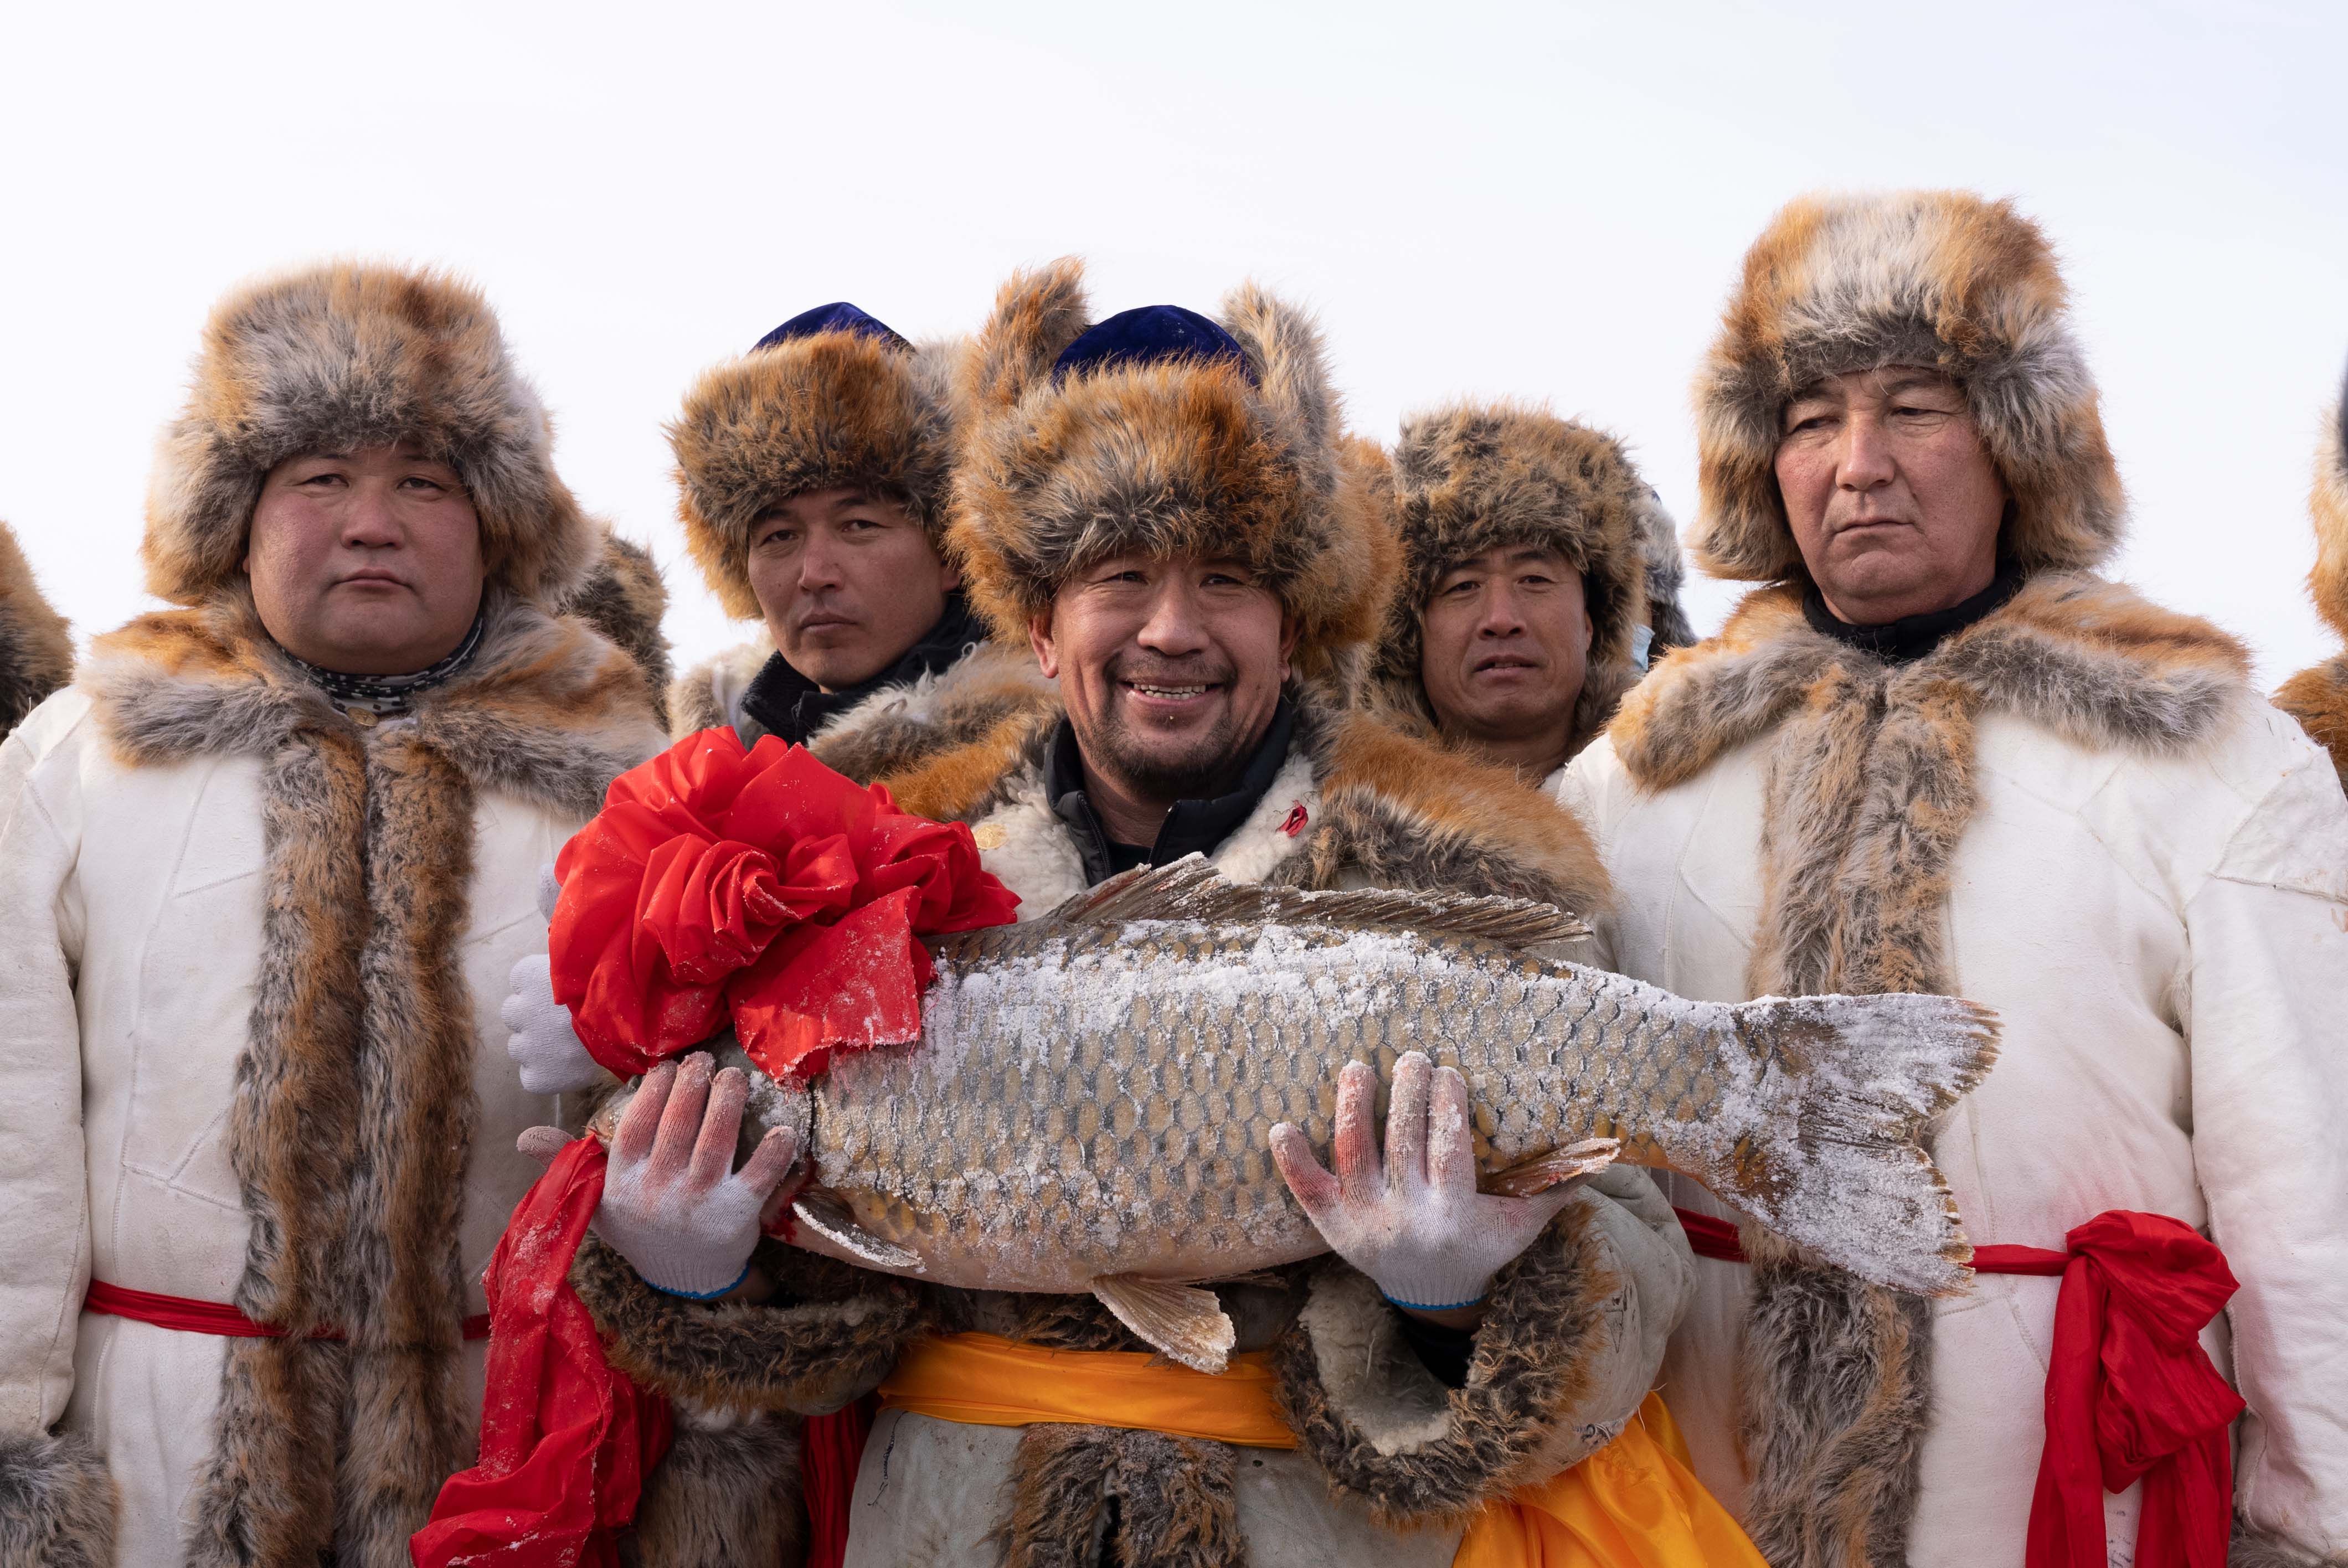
(1414, 1222)
(544, 1044)
(674, 1205)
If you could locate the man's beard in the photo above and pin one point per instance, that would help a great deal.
(1207, 765)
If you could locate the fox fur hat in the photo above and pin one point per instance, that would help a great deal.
(1941, 279)
(1474, 476)
(1213, 452)
(349, 354)
(2328, 504)
(841, 401)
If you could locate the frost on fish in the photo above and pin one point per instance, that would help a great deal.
(1090, 1106)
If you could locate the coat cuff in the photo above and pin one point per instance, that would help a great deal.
(57, 1504)
(725, 1494)
(2254, 1548)
(1573, 1337)
(828, 1335)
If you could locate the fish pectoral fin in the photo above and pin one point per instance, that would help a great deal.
(826, 1213)
(1539, 1174)
(1181, 1320)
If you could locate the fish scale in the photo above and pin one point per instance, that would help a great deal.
(1090, 1105)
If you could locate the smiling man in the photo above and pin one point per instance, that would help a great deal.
(1161, 504)
(813, 476)
(1535, 560)
(263, 871)
(1936, 751)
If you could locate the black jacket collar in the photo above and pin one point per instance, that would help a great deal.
(1911, 636)
(786, 704)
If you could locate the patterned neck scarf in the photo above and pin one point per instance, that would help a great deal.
(385, 696)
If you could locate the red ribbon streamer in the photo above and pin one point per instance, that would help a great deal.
(831, 1450)
(2130, 1394)
(566, 1440)
(759, 886)
(188, 1316)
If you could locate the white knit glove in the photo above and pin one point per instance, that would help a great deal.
(1414, 1222)
(674, 1205)
(544, 1044)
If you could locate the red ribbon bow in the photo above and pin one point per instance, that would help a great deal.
(761, 884)
(2131, 1395)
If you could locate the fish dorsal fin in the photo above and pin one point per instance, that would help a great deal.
(1182, 1321)
(1192, 889)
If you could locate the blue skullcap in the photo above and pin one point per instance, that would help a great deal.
(839, 316)
(1147, 336)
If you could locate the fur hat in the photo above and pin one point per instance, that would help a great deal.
(625, 598)
(36, 654)
(831, 397)
(1477, 475)
(1196, 452)
(1936, 278)
(352, 354)
(2327, 503)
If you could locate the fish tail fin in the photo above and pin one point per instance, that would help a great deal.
(1836, 1161)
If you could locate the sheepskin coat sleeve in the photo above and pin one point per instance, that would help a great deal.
(2079, 813)
(252, 956)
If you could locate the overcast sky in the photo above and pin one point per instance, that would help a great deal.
(1546, 201)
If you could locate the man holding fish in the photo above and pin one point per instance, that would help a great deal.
(1162, 504)
(1936, 751)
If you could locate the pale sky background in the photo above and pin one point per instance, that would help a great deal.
(1547, 202)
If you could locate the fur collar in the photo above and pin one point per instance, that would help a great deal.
(1382, 809)
(2085, 658)
(548, 709)
(2317, 698)
(35, 653)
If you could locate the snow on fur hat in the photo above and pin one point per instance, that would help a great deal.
(349, 354)
(1474, 476)
(830, 398)
(1941, 279)
(1155, 437)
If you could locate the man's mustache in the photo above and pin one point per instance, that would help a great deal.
(1201, 672)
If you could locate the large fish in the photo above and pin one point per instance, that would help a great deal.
(1090, 1105)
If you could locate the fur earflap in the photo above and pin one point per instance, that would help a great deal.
(625, 600)
(1474, 476)
(2318, 698)
(36, 656)
(838, 408)
(1192, 456)
(1941, 279)
(352, 354)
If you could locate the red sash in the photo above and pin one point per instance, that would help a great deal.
(191, 1316)
(2130, 1394)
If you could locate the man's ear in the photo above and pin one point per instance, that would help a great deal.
(1289, 633)
(1039, 638)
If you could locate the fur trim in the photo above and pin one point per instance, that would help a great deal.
(709, 694)
(905, 726)
(57, 1503)
(1936, 278)
(625, 600)
(829, 1338)
(1386, 1432)
(2317, 698)
(723, 1496)
(36, 656)
(834, 409)
(354, 1114)
(1869, 787)
(1473, 476)
(1176, 1502)
(351, 355)
(2253, 1548)
(1658, 545)
(1179, 457)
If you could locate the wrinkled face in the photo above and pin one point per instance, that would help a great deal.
(1894, 501)
(366, 562)
(848, 581)
(1505, 641)
(1171, 668)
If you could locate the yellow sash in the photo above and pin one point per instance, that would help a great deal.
(1634, 1503)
